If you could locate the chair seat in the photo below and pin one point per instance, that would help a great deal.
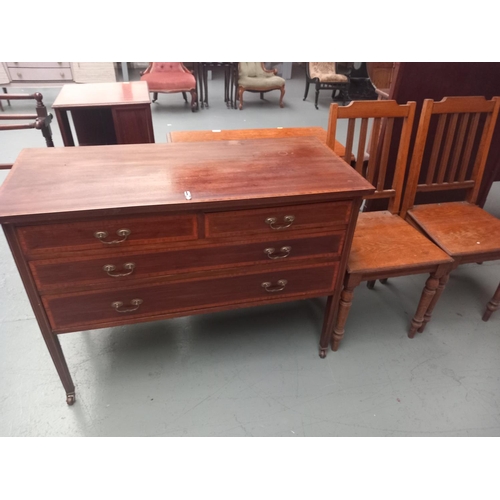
(171, 81)
(333, 78)
(258, 83)
(459, 228)
(385, 242)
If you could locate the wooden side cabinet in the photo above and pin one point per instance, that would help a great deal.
(105, 113)
(127, 234)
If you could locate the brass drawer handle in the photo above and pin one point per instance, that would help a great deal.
(62, 74)
(287, 222)
(124, 233)
(119, 307)
(109, 268)
(20, 75)
(285, 252)
(276, 288)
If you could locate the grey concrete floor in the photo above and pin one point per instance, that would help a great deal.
(256, 371)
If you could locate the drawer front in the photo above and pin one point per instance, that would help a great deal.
(120, 267)
(38, 65)
(107, 234)
(279, 219)
(93, 309)
(40, 74)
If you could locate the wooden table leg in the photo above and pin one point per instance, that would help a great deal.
(493, 305)
(63, 121)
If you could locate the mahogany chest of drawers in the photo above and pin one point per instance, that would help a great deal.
(110, 235)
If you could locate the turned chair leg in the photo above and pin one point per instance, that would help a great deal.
(155, 96)
(344, 307)
(282, 90)
(194, 100)
(493, 305)
(307, 91)
(427, 316)
(427, 295)
(262, 95)
(185, 96)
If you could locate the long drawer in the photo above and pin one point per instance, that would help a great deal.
(38, 64)
(112, 233)
(270, 220)
(124, 267)
(75, 311)
(39, 74)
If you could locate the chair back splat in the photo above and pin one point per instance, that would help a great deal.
(455, 155)
(372, 153)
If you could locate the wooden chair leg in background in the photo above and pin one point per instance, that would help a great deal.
(307, 91)
(350, 283)
(155, 96)
(194, 100)
(425, 300)
(282, 90)
(493, 305)
(185, 96)
(240, 96)
(427, 316)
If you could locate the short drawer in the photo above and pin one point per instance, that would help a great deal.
(125, 267)
(39, 65)
(278, 219)
(107, 234)
(116, 306)
(40, 74)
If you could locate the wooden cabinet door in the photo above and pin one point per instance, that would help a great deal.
(133, 124)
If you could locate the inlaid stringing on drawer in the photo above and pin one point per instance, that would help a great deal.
(124, 267)
(110, 233)
(69, 312)
(277, 219)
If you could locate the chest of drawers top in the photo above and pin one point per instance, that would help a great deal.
(69, 183)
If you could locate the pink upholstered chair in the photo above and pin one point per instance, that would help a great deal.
(171, 77)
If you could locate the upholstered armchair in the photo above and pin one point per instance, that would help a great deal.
(171, 77)
(254, 77)
(325, 75)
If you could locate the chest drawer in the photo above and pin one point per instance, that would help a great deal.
(125, 267)
(112, 233)
(39, 74)
(38, 65)
(278, 219)
(96, 309)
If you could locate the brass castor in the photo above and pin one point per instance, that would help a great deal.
(70, 399)
(322, 353)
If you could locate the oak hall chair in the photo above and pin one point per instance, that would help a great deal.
(493, 305)
(254, 77)
(455, 157)
(384, 244)
(171, 77)
(324, 75)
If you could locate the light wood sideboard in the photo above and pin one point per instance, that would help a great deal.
(134, 233)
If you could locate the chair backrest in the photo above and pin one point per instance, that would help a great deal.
(167, 67)
(251, 69)
(456, 153)
(41, 118)
(383, 114)
(320, 69)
